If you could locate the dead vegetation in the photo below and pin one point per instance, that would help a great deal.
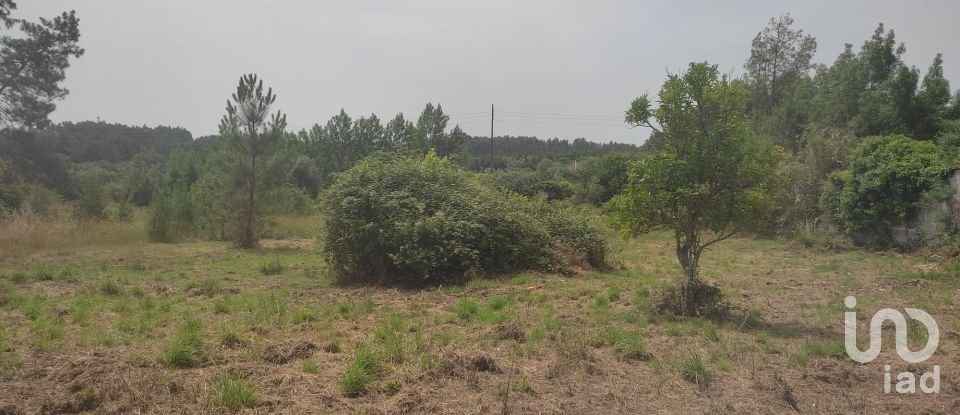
(84, 331)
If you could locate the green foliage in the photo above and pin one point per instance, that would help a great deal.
(273, 266)
(533, 183)
(628, 344)
(310, 366)
(823, 151)
(403, 219)
(693, 370)
(172, 215)
(704, 184)
(253, 139)
(466, 308)
(92, 204)
(884, 186)
(361, 371)
(35, 59)
(187, 348)
(603, 177)
(233, 392)
(110, 288)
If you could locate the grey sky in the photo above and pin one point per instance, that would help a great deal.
(175, 62)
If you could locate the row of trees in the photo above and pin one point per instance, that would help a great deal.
(342, 141)
(819, 113)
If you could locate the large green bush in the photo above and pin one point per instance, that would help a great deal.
(421, 220)
(884, 185)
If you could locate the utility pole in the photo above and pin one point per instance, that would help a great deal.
(491, 136)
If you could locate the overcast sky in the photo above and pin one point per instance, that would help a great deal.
(175, 62)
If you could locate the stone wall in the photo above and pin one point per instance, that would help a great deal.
(931, 220)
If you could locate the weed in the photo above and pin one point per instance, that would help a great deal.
(310, 366)
(233, 392)
(628, 344)
(499, 302)
(392, 386)
(613, 294)
(523, 279)
(225, 305)
(106, 339)
(360, 372)
(693, 370)
(601, 302)
(19, 278)
(641, 299)
(48, 333)
(465, 309)
(710, 332)
(207, 287)
(230, 337)
(187, 348)
(5, 345)
(548, 326)
(523, 385)
(388, 334)
(272, 266)
(109, 288)
(824, 348)
(81, 310)
(304, 315)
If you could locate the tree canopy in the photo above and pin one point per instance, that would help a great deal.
(711, 177)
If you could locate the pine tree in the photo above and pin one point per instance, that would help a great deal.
(253, 138)
(32, 65)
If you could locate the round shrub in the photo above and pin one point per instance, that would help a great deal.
(421, 220)
(884, 186)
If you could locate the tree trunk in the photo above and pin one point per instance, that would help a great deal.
(249, 238)
(688, 258)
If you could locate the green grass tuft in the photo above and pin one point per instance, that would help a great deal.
(466, 309)
(272, 266)
(693, 370)
(110, 288)
(361, 371)
(233, 393)
(187, 349)
(310, 366)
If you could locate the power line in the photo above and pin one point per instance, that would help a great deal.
(549, 114)
(560, 122)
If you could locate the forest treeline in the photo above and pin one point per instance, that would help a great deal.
(866, 139)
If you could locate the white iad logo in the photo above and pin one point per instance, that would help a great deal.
(906, 381)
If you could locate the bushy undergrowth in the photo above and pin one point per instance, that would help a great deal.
(421, 220)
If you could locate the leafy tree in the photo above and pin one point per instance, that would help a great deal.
(338, 136)
(92, 203)
(32, 65)
(710, 180)
(452, 143)
(604, 176)
(253, 137)
(430, 130)
(367, 136)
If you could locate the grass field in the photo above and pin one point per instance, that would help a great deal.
(104, 322)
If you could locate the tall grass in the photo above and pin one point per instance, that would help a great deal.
(26, 232)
